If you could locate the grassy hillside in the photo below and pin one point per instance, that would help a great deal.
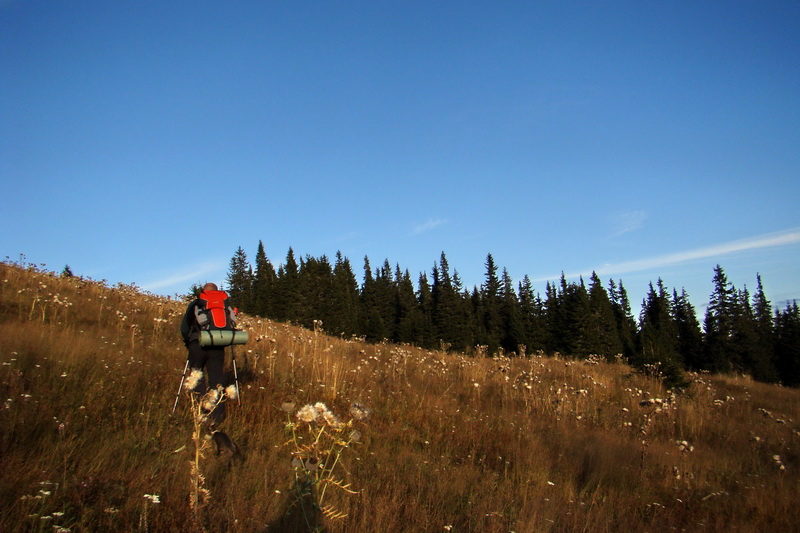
(88, 443)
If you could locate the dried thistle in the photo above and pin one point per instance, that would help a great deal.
(199, 495)
(318, 441)
(195, 376)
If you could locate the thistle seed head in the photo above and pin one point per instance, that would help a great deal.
(231, 392)
(193, 379)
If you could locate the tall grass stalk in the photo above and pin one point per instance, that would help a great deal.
(199, 495)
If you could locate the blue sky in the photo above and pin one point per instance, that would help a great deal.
(145, 141)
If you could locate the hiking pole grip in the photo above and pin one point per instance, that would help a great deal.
(235, 376)
(183, 377)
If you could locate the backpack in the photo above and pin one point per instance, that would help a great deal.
(217, 320)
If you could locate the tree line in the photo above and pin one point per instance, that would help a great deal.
(740, 332)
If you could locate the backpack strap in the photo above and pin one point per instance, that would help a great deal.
(201, 314)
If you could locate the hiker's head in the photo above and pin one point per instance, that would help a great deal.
(210, 287)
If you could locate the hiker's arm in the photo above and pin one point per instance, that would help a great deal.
(186, 324)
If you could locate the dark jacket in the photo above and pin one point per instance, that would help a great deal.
(189, 328)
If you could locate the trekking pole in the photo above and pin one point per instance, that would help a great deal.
(235, 376)
(183, 377)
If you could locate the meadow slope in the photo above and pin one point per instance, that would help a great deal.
(452, 443)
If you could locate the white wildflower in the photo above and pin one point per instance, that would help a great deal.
(359, 412)
(194, 379)
(153, 498)
(211, 399)
(332, 420)
(231, 392)
(307, 413)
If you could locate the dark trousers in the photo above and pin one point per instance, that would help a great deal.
(213, 360)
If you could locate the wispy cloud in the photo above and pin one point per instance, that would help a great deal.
(428, 225)
(193, 273)
(623, 223)
(338, 239)
(770, 240)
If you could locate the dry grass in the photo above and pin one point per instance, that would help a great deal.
(453, 443)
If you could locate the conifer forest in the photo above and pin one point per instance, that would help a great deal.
(740, 332)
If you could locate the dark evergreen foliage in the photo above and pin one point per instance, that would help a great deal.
(740, 332)
(531, 310)
(448, 320)
(787, 345)
(690, 337)
(240, 281)
(658, 337)
(489, 307)
(603, 333)
(345, 300)
(626, 325)
(719, 324)
(763, 346)
(263, 284)
(512, 333)
(574, 301)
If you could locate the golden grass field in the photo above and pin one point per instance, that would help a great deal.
(452, 443)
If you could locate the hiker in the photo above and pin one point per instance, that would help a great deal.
(212, 358)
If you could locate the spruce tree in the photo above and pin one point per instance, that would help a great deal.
(345, 300)
(659, 337)
(553, 319)
(263, 284)
(405, 304)
(316, 289)
(373, 327)
(603, 333)
(240, 281)
(466, 333)
(787, 344)
(719, 324)
(575, 311)
(690, 336)
(289, 305)
(511, 336)
(423, 323)
(743, 336)
(490, 306)
(626, 325)
(531, 310)
(448, 321)
(765, 335)
(386, 292)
